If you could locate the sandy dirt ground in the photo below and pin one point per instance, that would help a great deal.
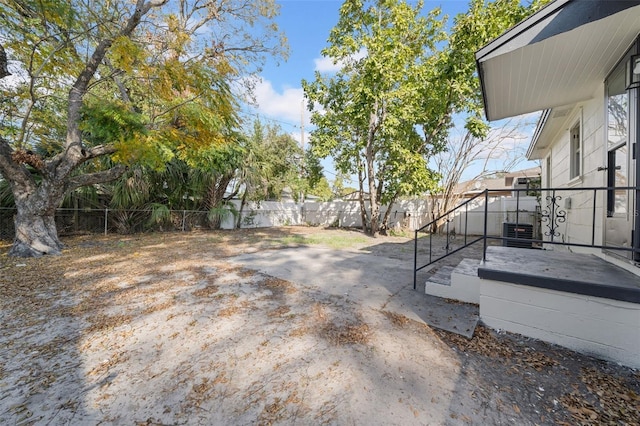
(171, 329)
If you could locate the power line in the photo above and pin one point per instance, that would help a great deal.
(261, 116)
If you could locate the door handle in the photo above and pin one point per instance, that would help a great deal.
(605, 168)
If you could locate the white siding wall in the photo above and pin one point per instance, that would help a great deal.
(579, 210)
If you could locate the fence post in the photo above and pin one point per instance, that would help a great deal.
(184, 218)
(106, 217)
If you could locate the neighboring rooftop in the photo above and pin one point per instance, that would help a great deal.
(503, 182)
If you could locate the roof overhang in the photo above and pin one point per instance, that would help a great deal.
(551, 122)
(556, 57)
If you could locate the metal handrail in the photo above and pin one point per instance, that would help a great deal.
(448, 253)
(553, 215)
(451, 211)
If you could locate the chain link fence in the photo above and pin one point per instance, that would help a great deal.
(107, 221)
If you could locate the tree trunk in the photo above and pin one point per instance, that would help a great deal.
(363, 208)
(371, 177)
(36, 203)
(36, 235)
(242, 204)
(387, 215)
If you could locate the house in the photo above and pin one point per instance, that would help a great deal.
(502, 185)
(578, 62)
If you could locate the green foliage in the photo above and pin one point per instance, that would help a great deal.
(161, 91)
(484, 21)
(217, 214)
(105, 122)
(321, 189)
(273, 163)
(312, 168)
(402, 82)
(131, 191)
(102, 87)
(371, 108)
(338, 189)
(160, 214)
(6, 196)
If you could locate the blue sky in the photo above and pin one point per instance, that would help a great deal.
(307, 24)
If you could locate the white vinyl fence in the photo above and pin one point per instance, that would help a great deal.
(407, 214)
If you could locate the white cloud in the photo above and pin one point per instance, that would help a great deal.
(286, 105)
(325, 64)
(330, 65)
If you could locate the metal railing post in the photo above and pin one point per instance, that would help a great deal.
(430, 245)
(106, 218)
(486, 214)
(552, 214)
(415, 258)
(446, 247)
(593, 218)
(517, 213)
(518, 207)
(466, 222)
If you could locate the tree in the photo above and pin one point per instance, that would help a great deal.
(201, 184)
(101, 86)
(403, 81)
(321, 190)
(272, 162)
(314, 182)
(370, 107)
(459, 87)
(502, 144)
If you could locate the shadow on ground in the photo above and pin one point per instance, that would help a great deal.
(185, 328)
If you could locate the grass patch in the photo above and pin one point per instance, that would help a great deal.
(404, 233)
(332, 241)
(292, 240)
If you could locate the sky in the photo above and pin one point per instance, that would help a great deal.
(307, 24)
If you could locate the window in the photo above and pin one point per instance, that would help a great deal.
(575, 162)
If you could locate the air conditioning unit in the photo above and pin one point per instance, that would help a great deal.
(522, 231)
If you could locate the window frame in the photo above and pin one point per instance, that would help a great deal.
(575, 151)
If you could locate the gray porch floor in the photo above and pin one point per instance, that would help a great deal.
(570, 272)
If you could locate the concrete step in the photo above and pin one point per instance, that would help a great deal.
(467, 267)
(442, 276)
(461, 284)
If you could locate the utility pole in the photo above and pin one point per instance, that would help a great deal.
(302, 125)
(302, 145)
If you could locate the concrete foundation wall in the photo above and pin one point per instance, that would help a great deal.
(604, 328)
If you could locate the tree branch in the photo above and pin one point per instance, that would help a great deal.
(79, 89)
(173, 108)
(87, 154)
(12, 171)
(95, 178)
(99, 151)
